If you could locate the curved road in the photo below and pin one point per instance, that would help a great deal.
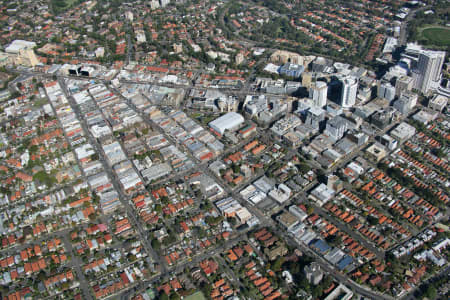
(403, 28)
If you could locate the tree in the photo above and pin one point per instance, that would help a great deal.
(163, 296)
(132, 257)
(65, 285)
(321, 175)
(277, 264)
(232, 221)
(170, 239)
(372, 220)
(165, 199)
(333, 240)
(213, 220)
(43, 177)
(156, 245)
(430, 292)
(438, 152)
(42, 276)
(201, 233)
(95, 197)
(175, 296)
(317, 291)
(206, 288)
(34, 149)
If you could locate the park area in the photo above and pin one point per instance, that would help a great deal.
(61, 5)
(438, 36)
(196, 296)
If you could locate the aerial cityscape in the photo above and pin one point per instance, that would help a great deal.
(224, 150)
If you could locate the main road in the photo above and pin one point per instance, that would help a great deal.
(404, 26)
(125, 200)
(264, 220)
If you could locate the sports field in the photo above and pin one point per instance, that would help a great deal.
(196, 296)
(60, 5)
(439, 36)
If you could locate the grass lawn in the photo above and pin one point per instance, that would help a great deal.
(196, 296)
(62, 4)
(40, 102)
(438, 36)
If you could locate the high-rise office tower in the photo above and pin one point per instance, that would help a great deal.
(428, 70)
(348, 92)
(386, 91)
(164, 3)
(319, 93)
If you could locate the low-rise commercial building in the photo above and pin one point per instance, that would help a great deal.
(403, 132)
(321, 194)
(230, 121)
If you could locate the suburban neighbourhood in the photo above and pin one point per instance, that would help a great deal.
(224, 149)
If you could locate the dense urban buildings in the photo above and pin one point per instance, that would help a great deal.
(19, 53)
(224, 149)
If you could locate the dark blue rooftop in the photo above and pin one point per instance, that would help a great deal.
(320, 245)
(344, 262)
